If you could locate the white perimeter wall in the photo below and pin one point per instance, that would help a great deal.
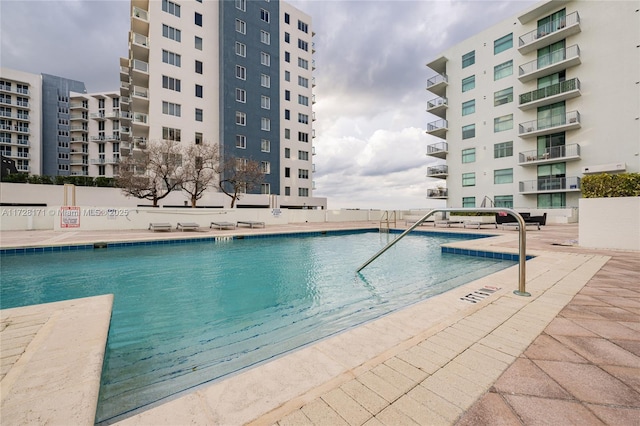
(612, 223)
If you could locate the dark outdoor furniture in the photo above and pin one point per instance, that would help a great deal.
(505, 219)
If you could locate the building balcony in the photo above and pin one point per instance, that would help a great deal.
(140, 92)
(79, 117)
(79, 172)
(112, 160)
(550, 155)
(441, 171)
(140, 73)
(124, 74)
(8, 89)
(76, 152)
(140, 46)
(549, 125)
(551, 94)
(438, 193)
(438, 106)
(552, 184)
(438, 128)
(5, 139)
(76, 139)
(139, 143)
(438, 150)
(78, 161)
(550, 63)
(140, 21)
(105, 138)
(22, 168)
(19, 155)
(438, 84)
(97, 115)
(17, 129)
(549, 33)
(83, 129)
(78, 106)
(140, 119)
(438, 65)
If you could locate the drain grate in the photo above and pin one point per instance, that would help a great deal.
(479, 295)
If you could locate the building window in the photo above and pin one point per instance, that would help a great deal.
(303, 45)
(469, 131)
(303, 174)
(265, 80)
(241, 95)
(287, 76)
(503, 70)
(469, 155)
(287, 95)
(286, 18)
(287, 135)
(265, 124)
(469, 107)
(303, 118)
(468, 59)
(287, 153)
(170, 108)
(303, 137)
(241, 118)
(303, 63)
(287, 57)
(265, 37)
(265, 59)
(287, 172)
(303, 27)
(303, 82)
(265, 102)
(503, 43)
(287, 114)
(241, 72)
(504, 149)
(241, 141)
(551, 201)
(171, 33)
(241, 5)
(468, 202)
(468, 83)
(198, 67)
(265, 167)
(503, 96)
(503, 201)
(198, 114)
(265, 188)
(198, 138)
(198, 19)
(303, 100)
(503, 176)
(241, 49)
(264, 15)
(198, 43)
(287, 37)
(170, 58)
(303, 155)
(468, 179)
(170, 83)
(303, 192)
(265, 145)
(241, 26)
(171, 134)
(500, 124)
(171, 7)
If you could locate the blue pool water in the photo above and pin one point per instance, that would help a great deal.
(188, 314)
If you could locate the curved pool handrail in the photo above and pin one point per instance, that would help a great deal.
(521, 243)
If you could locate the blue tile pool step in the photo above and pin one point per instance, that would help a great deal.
(486, 254)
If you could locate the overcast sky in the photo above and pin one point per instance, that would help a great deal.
(370, 75)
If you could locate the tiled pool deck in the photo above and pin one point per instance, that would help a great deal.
(569, 354)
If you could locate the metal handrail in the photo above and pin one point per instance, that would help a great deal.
(522, 243)
(386, 218)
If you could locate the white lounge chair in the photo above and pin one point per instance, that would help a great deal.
(250, 223)
(187, 226)
(160, 226)
(223, 225)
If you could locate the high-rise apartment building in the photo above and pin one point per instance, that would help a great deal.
(233, 73)
(528, 107)
(21, 119)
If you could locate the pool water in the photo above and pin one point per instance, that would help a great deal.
(188, 314)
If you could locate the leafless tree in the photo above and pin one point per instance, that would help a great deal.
(199, 170)
(151, 173)
(238, 176)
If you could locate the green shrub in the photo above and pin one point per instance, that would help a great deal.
(102, 181)
(611, 185)
(16, 178)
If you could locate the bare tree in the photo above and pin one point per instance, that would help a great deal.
(152, 173)
(199, 170)
(239, 175)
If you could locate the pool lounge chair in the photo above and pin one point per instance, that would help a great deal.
(223, 225)
(447, 222)
(187, 226)
(160, 226)
(478, 224)
(250, 223)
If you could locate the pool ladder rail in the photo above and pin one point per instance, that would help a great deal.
(387, 219)
(522, 240)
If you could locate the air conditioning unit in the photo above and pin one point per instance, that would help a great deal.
(603, 168)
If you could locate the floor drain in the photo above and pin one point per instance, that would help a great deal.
(478, 295)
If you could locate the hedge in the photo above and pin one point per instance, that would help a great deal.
(60, 180)
(608, 185)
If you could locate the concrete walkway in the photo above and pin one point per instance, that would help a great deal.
(476, 355)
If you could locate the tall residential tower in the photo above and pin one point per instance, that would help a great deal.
(529, 106)
(233, 73)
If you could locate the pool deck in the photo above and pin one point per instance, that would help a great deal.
(479, 354)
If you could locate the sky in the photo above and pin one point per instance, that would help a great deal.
(370, 79)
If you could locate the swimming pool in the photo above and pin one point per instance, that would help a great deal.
(188, 314)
